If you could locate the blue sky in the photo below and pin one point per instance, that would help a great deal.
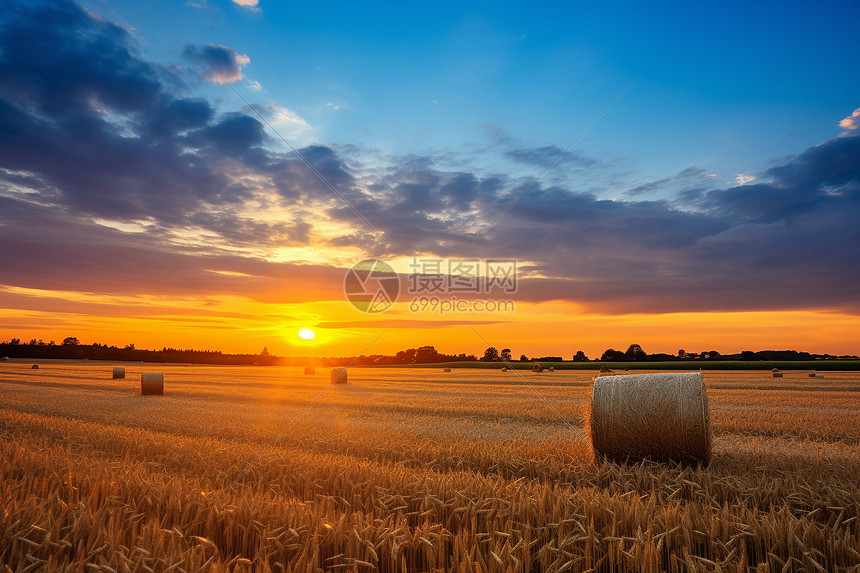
(726, 180)
(728, 89)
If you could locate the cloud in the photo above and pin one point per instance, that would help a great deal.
(254, 4)
(92, 131)
(255, 85)
(852, 121)
(286, 120)
(220, 64)
(743, 179)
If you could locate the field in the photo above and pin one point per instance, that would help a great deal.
(412, 470)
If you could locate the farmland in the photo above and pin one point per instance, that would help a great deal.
(412, 470)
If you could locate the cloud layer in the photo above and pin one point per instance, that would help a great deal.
(112, 170)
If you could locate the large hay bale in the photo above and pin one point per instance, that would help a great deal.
(537, 367)
(310, 370)
(604, 369)
(34, 367)
(812, 374)
(446, 370)
(151, 383)
(338, 376)
(118, 373)
(4, 359)
(776, 373)
(660, 416)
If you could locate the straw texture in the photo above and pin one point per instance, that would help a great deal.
(660, 416)
(151, 383)
(338, 376)
(119, 373)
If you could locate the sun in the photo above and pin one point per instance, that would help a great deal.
(306, 333)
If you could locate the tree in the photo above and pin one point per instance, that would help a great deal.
(506, 354)
(490, 354)
(426, 354)
(682, 353)
(713, 354)
(635, 352)
(612, 355)
(70, 341)
(524, 358)
(580, 356)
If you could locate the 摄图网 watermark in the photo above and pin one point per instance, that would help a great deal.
(438, 285)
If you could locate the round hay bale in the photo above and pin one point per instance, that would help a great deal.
(812, 374)
(659, 416)
(777, 374)
(338, 376)
(504, 369)
(446, 370)
(118, 373)
(34, 367)
(151, 383)
(310, 370)
(537, 367)
(551, 369)
(4, 359)
(775, 370)
(604, 369)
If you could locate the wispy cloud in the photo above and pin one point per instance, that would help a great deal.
(220, 64)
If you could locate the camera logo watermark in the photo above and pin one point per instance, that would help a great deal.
(371, 286)
(436, 285)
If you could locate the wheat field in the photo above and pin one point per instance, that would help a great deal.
(411, 470)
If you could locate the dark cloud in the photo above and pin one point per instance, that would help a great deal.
(219, 64)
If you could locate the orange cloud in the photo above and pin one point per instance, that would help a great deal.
(852, 121)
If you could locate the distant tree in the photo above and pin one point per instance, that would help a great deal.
(713, 354)
(70, 341)
(15, 342)
(506, 354)
(748, 355)
(131, 347)
(580, 356)
(524, 358)
(33, 342)
(405, 357)
(612, 355)
(426, 354)
(635, 352)
(52, 343)
(682, 353)
(490, 354)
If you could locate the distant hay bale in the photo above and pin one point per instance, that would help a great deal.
(4, 359)
(551, 369)
(504, 369)
(118, 373)
(446, 370)
(659, 416)
(34, 367)
(310, 370)
(775, 370)
(151, 383)
(776, 373)
(812, 374)
(338, 376)
(537, 367)
(604, 369)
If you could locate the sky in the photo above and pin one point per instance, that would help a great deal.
(204, 175)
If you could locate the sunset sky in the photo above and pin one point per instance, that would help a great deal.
(715, 205)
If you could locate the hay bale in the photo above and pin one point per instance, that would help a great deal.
(551, 369)
(776, 374)
(660, 416)
(812, 374)
(537, 367)
(151, 383)
(34, 367)
(338, 376)
(4, 359)
(118, 373)
(310, 370)
(775, 370)
(446, 370)
(504, 369)
(604, 369)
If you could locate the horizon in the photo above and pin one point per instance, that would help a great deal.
(557, 178)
